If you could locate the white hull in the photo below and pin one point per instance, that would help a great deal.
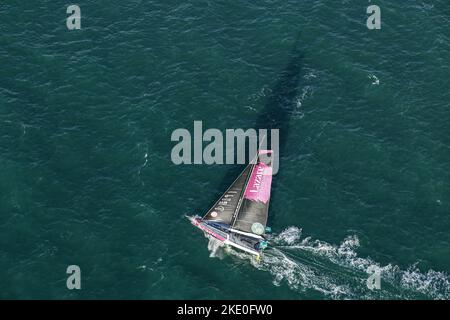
(225, 239)
(233, 244)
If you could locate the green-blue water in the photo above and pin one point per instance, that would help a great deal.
(86, 176)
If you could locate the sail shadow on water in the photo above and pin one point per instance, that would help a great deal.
(280, 106)
(239, 217)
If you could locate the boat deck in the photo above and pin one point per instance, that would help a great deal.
(244, 241)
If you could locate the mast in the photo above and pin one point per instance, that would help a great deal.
(241, 196)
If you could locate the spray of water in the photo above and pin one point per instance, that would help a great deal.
(215, 247)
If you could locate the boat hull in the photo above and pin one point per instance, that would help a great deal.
(232, 239)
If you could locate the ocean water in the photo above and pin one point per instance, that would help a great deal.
(86, 176)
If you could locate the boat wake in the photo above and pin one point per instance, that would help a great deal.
(338, 272)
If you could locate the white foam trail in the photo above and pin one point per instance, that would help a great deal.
(339, 273)
(300, 276)
(434, 284)
(288, 236)
(403, 284)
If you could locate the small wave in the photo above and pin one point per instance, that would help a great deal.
(375, 80)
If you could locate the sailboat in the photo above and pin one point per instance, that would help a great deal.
(239, 217)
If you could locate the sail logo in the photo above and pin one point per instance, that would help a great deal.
(224, 148)
(258, 180)
(258, 188)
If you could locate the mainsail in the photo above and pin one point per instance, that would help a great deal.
(239, 217)
(251, 216)
(225, 208)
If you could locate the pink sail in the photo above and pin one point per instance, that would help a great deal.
(258, 187)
